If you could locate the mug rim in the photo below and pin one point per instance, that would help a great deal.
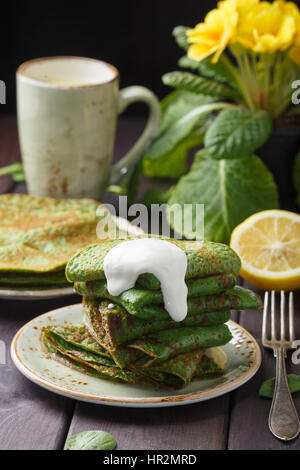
(20, 72)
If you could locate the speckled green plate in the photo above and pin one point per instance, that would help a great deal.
(243, 354)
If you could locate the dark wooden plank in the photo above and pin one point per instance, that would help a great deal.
(249, 415)
(198, 426)
(9, 150)
(31, 417)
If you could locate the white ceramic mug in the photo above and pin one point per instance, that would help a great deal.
(67, 115)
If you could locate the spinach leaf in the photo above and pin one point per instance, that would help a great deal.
(268, 387)
(91, 440)
(231, 190)
(237, 133)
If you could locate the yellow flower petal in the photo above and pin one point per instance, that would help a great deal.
(213, 35)
(268, 27)
(200, 51)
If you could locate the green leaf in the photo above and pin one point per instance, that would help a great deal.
(19, 177)
(16, 170)
(91, 440)
(179, 33)
(296, 177)
(194, 84)
(155, 196)
(172, 164)
(177, 104)
(10, 169)
(217, 72)
(268, 387)
(237, 133)
(131, 182)
(231, 191)
(167, 155)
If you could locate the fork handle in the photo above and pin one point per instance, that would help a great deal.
(283, 419)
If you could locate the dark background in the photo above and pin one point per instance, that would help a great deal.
(133, 35)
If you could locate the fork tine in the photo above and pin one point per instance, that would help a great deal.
(282, 323)
(265, 317)
(273, 318)
(291, 317)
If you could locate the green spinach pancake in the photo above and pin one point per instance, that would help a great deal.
(38, 235)
(131, 338)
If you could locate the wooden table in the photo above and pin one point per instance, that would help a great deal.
(33, 418)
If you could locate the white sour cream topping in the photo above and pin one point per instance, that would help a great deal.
(125, 262)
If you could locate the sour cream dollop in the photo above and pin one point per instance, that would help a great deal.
(126, 261)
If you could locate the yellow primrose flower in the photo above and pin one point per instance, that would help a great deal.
(213, 36)
(295, 49)
(243, 6)
(268, 27)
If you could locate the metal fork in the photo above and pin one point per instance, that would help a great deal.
(283, 418)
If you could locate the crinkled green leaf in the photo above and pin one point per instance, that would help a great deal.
(296, 177)
(237, 133)
(268, 387)
(194, 84)
(92, 440)
(179, 33)
(231, 191)
(218, 72)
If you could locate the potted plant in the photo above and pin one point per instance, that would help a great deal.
(235, 99)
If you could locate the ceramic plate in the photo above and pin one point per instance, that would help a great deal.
(243, 353)
(47, 292)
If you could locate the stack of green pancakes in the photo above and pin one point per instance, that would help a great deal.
(131, 337)
(38, 235)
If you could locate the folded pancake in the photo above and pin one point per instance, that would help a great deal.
(75, 348)
(112, 326)
(157, 346)
(23, 279)
(146, 305)
(165, 344)
(210, 285)
(204, 259)
(80, 358)
(132, 338)
(39, 235)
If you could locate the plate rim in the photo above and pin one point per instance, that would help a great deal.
(39, 294)
(186, 398)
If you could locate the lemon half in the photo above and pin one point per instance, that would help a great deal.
(268, 244)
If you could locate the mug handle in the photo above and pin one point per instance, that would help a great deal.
(126, 97)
